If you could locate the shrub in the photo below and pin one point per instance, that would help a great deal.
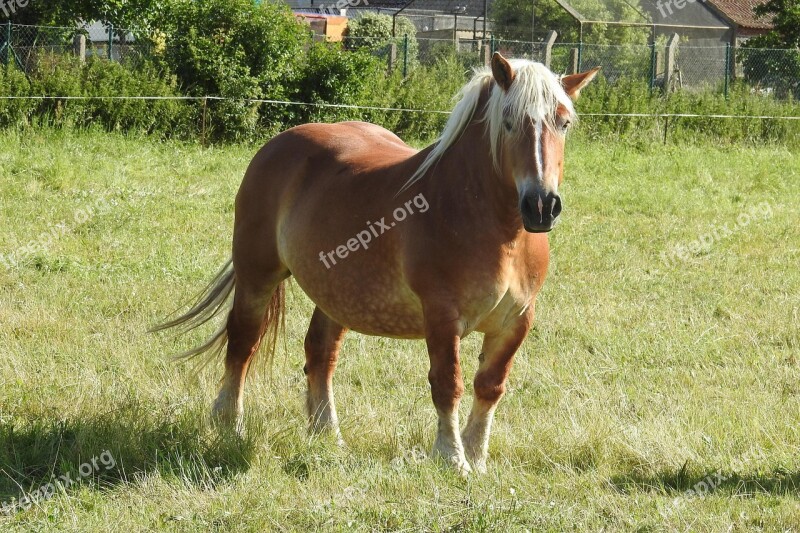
(373, 32)
(335, 76)
(15, 112)
(234, 49)
(635, 96)
(59, 75)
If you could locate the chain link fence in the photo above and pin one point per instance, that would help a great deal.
(686, 67)
(25, 45)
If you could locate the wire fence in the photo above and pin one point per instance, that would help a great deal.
(768, 71)
(25, 45)
(714, 68)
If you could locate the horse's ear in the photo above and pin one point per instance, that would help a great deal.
(501, 70)
(575, 82)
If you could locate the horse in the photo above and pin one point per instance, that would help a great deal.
(390, 241)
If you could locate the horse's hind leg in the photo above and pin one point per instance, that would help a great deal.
(323, 340)
(497, 355)
(245, 327)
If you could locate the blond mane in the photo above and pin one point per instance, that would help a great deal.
(536, 92)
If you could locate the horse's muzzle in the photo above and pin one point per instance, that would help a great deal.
(539, 211)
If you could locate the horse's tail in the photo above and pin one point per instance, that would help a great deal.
(216, 299)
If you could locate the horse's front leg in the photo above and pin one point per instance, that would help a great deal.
(443, 332)
(496, 358)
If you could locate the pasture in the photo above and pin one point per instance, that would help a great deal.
(665, 357)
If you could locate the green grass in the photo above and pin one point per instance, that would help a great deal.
(641, 378)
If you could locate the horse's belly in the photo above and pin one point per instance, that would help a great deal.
(372, 301)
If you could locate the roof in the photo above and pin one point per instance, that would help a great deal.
(741, 13)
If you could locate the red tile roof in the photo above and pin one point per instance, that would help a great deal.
(741, 13)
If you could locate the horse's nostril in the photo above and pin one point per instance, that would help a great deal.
(529, 205)
(556, 210)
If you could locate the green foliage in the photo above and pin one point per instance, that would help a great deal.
(765, 65)
(234, 49)
(15, 112)
(635, 96)
(428, 88)
(786, 24)
(59, 75)
(140, 14)
(333, 75)
(770, 69)
(373, 32)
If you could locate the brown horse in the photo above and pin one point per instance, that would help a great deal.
(387, 240)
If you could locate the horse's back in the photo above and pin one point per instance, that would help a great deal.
(359, 143)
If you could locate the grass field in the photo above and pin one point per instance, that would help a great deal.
(665, 358)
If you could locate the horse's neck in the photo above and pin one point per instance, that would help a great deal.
(465, 179)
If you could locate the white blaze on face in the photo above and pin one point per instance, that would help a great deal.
(537, 139)
(540, 180)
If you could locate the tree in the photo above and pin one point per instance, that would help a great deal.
(373, 32)
(235, 49)
(141, 14)
(772, 60)
(786, 24)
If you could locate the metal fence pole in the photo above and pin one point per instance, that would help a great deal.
(405, 55)
(491, 46)
(580, 55)
(652, 66)
(111, 42)
(7, 47)
(727, 67)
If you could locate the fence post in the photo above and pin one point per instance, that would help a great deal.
(111, 42)
(405, 55)
(392, 56)
(203, 124)
(727, 67)
(580, 57)
(669, 64)
(653, 65)
(491, 46)
(487, 52)
(573, 61)
(79, 47)
(548, 47)
(7, 47)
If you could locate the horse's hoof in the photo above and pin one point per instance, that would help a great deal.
(479, 466)
(227, 420)
(454, 460)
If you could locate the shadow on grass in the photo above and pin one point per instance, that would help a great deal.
(105, 449)
(677, 482)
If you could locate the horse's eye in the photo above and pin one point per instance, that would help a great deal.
(565, 125)
(507, 125)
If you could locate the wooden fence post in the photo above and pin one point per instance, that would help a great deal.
(548, 47)
(573, 61)
(669, 64)
(392, 56)
(79, 47)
